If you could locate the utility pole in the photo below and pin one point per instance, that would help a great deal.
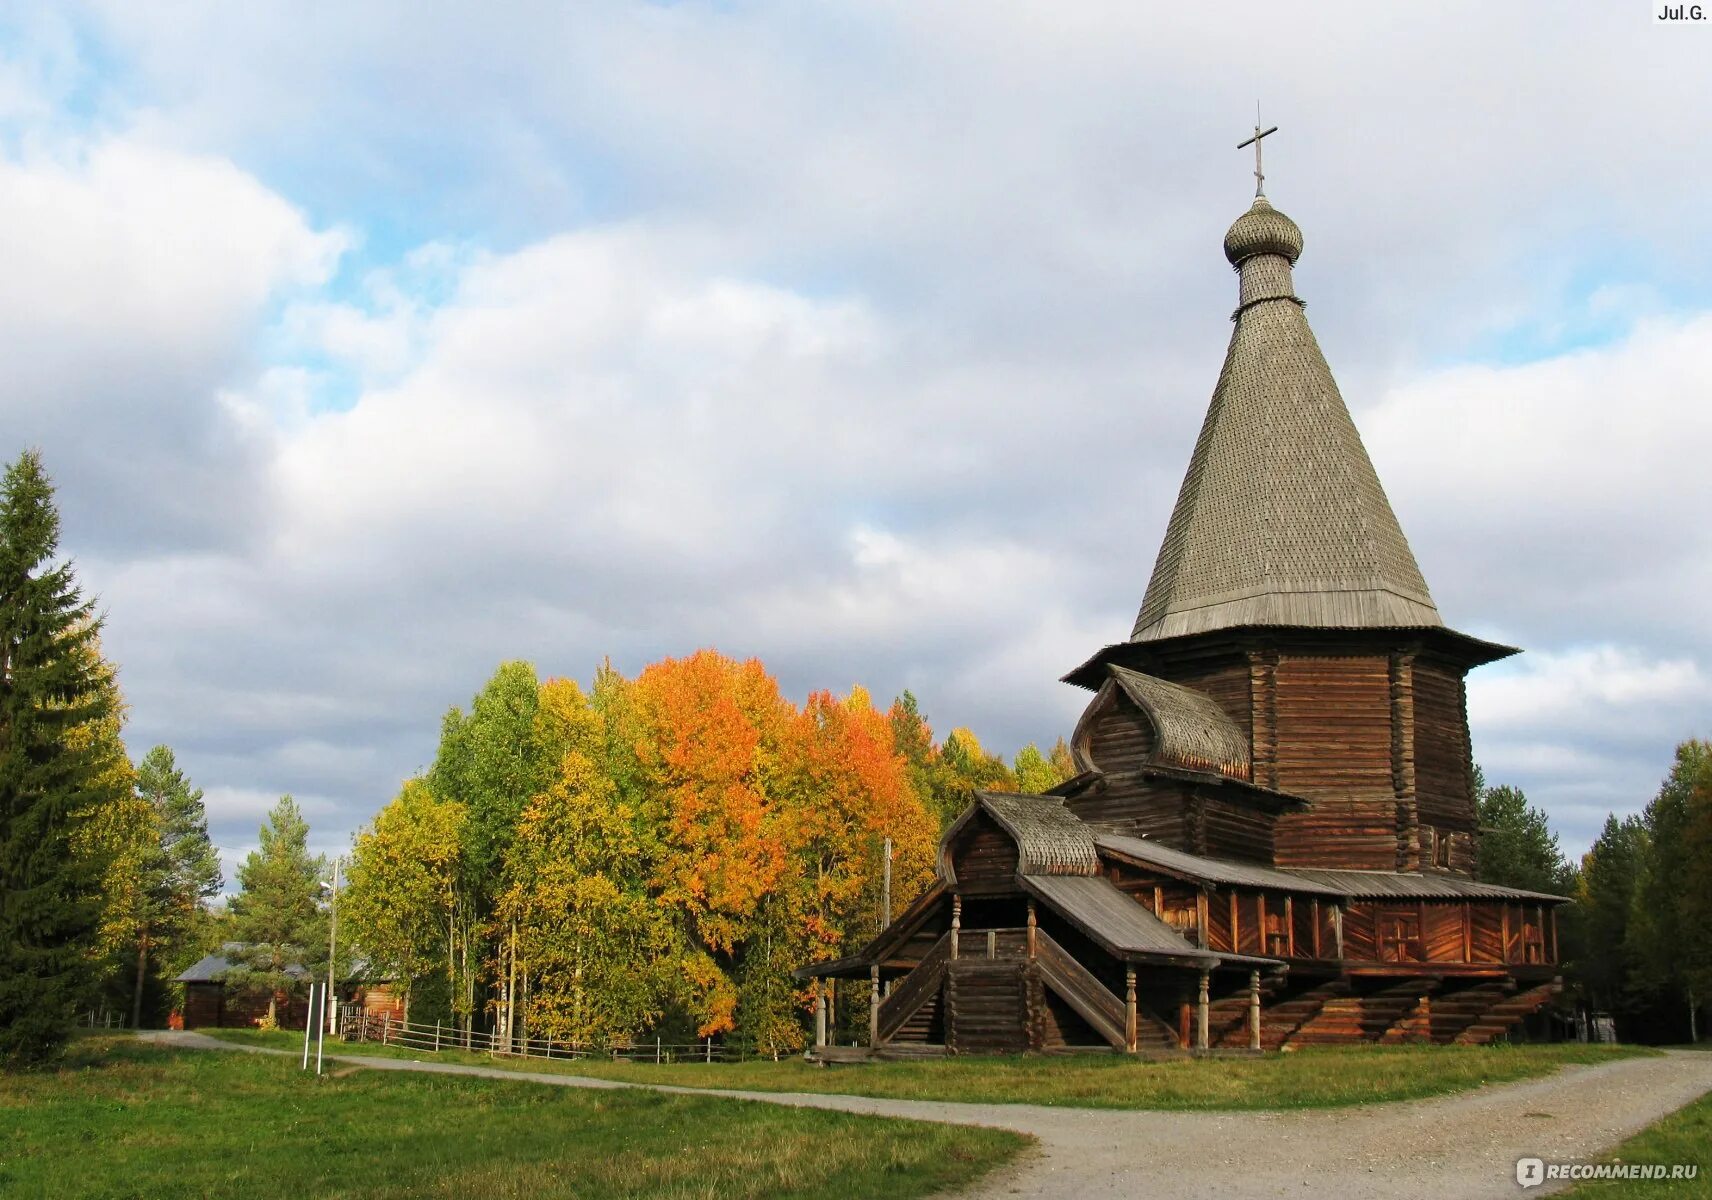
(886, 888)
(332, 945)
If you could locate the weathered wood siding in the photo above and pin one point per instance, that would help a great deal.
(1488, 942)
(1154, 808)
(1359, 933)
(1335, 747)
(1358, 834)
(1218, 921)
(986, 1006)
(1441, 749)
(1118, 737)
(984, 857)
(1226, 681)
(1443, 932)
(214, 1005)
(1334, 725)
(1229, 830)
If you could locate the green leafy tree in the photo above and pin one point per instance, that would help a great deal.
(1063, 764)
(114, 836)
(600, 957)
(400, 900)
(1036, 773)
(52, 682)
(276, 915)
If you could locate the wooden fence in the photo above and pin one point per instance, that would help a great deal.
(356, 1025)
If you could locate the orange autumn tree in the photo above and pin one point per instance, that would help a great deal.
(709, 731)
(850, 790)
(845, 789)
(663, 852)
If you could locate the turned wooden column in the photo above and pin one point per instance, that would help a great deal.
(1254, 1010)
(1130, 1024)
(956, 921)
(820, 1019)
(1201, 1012)
(1031, 952)
(874, 1007)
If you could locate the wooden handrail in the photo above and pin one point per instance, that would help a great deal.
(1081, 989)
(916, 987)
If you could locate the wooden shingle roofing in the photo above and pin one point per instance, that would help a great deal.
(1120, 925)
(1281, 519)
(1050, 839)
(1364, 885)
(1190, 729)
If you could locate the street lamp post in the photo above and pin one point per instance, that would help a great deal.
(332, 944)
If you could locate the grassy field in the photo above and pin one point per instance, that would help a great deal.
(1683, 1137)
(124, 1119)
(1315, 1078)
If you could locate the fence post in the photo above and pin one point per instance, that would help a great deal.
(385, 1027)
(436, 1037)
(710, 1049)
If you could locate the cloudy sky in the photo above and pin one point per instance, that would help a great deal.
(371, 344)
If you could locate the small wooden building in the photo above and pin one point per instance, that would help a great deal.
(1272, 838)
(211, 1002)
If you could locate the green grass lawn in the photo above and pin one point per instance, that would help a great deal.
(1311, 1078)
(124, 1119)
(1683, 1137)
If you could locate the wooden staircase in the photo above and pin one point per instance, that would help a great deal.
(1358, 1018)
(1227, 1017)
(1280, 1024)
(1497, 1021)
(1454, 1012)
(986, 1006)
(1081, 989)
(910, 1012)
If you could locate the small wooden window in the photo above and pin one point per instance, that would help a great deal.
(1399, 937)
(1277, 940)
(1441, 849)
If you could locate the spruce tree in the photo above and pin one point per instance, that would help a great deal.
(182, 868)
(52, 682)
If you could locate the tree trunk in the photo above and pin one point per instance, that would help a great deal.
(142, 972)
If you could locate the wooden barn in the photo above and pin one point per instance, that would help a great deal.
(1272, 837)
(212, 1003)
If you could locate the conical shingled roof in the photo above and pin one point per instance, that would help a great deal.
(1281, 519)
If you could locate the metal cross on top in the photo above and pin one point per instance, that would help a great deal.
(1259, 175)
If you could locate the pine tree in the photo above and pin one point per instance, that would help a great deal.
(275, 915)
(52, 682)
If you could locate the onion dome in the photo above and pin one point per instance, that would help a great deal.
(1262, 230)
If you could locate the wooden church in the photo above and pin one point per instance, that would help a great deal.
(1272, 837)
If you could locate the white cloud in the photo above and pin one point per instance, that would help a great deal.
(871, 340)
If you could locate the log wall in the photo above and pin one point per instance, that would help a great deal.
(1441, 749)
(984, 856)
(1229, 830)
(1155, 808)
(1116, 735)
(1334, 725)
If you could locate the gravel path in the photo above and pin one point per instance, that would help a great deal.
(1453, 1147)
